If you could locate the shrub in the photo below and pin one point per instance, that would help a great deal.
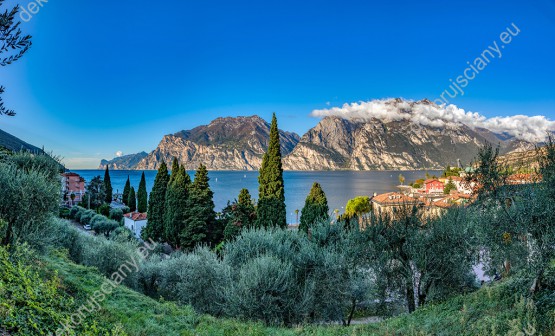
(64, 212)
(66, 236)
(80, 212)
(87, 216)
(74, 211)
(202, 278)
(265, 289)
(97, 219)
(150, 277)
(108, 256)
(29, 304)
(116, 214)
(105, 226)
(44, 163)
(104, 210)
(329, 274)
(123, 235)
(28, 199)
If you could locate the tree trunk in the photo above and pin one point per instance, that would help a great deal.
(421, 299)
(353, 308)
(507, 266)
(423, 294)
(410, 297)
(536, 284)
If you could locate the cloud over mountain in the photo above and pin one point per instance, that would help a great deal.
(426, 113)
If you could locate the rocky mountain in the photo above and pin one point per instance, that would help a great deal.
(378, 135)
(225, 144)
(14, 144)
(125, 162)
(394, 143)
(522, 159)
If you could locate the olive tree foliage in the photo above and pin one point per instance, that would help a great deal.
(540, 222)
(202, 279)
(314, 279)
(265, 289)
(30, 196)
(275, 276)
(116, 214)
(521, 234)
(102, 225)
(419, 258)
(196, 278)
(514, 223)
(48, 164)
(106, 255)
(13, 45)
(443, 253)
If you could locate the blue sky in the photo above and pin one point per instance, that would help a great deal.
(106, 76)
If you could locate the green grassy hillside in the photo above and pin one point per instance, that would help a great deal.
(493, 310)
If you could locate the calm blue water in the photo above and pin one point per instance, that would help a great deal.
(339, 186)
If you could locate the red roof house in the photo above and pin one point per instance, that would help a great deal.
(433, 186)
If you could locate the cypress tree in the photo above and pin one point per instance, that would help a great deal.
(245, 198)
(177, 203)
(126, 190)
(315, 207)
(201, 225)
(238, 215)
(175, 168)
(132, 200)
(108, 186)
(271, 198)
(156, 205)
(142, 195)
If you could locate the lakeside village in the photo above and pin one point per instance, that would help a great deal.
(431, 195)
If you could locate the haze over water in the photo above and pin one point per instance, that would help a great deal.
(339, 186)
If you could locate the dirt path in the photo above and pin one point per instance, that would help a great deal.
(366, 320)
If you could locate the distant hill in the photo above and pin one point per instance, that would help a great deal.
(126, 162)
(14, 144)
(10, 143)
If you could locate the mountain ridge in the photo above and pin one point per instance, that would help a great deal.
(400, 139)
(14, 144)
(230, 143)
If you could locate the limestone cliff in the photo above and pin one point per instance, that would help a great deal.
(225, 144)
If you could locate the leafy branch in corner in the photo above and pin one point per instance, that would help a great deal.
(13, 45)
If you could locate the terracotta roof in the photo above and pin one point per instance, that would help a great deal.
(70, 174)
(446, 202)
(394, 198)
(136, 216)
(451, 200)
(523, 178)
(431, 180)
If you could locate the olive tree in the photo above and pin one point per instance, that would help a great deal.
(28, 198)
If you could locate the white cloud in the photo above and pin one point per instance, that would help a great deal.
(119, 153)
(533, 129)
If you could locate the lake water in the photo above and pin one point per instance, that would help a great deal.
(339, 186)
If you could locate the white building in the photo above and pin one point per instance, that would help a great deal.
(135, 221)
